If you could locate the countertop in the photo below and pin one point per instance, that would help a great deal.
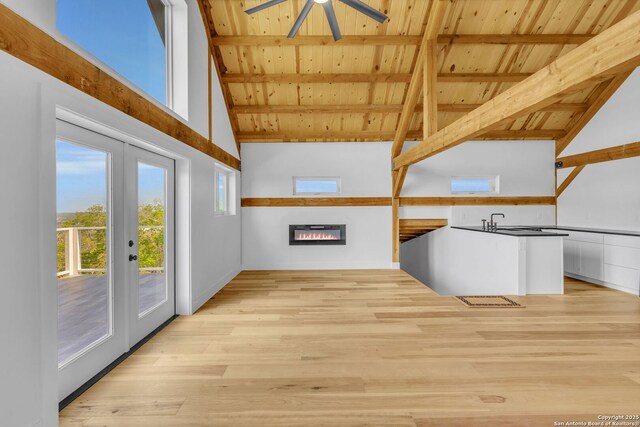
(536, 230)
(516, 231)
(591, 230)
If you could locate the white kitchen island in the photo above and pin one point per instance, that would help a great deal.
(471, 261)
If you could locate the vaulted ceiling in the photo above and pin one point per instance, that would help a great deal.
(311, 88)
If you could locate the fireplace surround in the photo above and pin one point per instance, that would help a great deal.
(320, 234)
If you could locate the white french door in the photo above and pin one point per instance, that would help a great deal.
(115, 250)
(150, 241)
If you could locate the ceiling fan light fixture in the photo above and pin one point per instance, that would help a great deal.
(327, 5)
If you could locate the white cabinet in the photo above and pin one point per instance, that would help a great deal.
(591, 259)
(622, 256)
(571, 259)
(625, 278)
(608, 259)
(625, 241)
(584, 258)
(622, 262)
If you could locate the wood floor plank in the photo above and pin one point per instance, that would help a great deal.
(375, 348)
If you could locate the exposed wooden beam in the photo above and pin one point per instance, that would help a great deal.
(477, 201)
(514, 38)
(313, 109)
(397, 181)
(598, 156)
(568, 180)
(482, 77)
(559, 106)
(594, 106)
(377, 108)
(318, 78)
(23, 40)
(614, 51)
(502, 39)
(428, 52)
(314, 201)
(370, 78)
(430, 89)
(380, 136)
(218, 61)
(330, 136)
(522, 134)
(315, 40)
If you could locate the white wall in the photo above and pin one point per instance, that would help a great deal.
(28, 372)
(606, 195)
(221, 131)
(265, 238)
(365, 168)
(526, 168)
(268, 170)
(21, 394)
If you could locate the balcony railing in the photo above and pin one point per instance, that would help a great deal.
(73, 251)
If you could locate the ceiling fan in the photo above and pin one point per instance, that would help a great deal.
(327, 5)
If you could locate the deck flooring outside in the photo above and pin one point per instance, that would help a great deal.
(82, 308)
(376, 348)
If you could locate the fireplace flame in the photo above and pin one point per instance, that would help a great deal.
(312, 235)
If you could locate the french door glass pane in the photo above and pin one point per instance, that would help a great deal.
(152, 279)
(84, 233)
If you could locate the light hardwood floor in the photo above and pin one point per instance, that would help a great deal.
(376, 348)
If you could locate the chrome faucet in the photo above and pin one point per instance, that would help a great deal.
(493, 226)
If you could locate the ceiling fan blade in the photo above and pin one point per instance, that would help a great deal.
(303, 14)
(366, 9)
(263, 6)
(333, 21)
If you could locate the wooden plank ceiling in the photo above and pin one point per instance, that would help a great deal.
(412, 228)
(314, 89)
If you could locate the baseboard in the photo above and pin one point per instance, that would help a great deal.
(602, 283)
(207, 294)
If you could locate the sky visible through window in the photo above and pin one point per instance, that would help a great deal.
(123, 35)
(316, 186)
(471, 185)
(222, 192)
(81, 178)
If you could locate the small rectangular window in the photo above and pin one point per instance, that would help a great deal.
(224, 191)
(316, 185)
(475, 185)
(130, 36)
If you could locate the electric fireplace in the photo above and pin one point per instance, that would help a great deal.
(326, 234)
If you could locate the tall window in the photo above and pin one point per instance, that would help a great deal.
(315, 186)
(130, 36)
(475, 185)
(224, 191)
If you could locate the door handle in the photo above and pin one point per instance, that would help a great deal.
(133, 258)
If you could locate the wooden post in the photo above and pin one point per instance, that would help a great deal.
(395, 235)
(73, 252)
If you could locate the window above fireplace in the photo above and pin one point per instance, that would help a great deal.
(316, 185)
